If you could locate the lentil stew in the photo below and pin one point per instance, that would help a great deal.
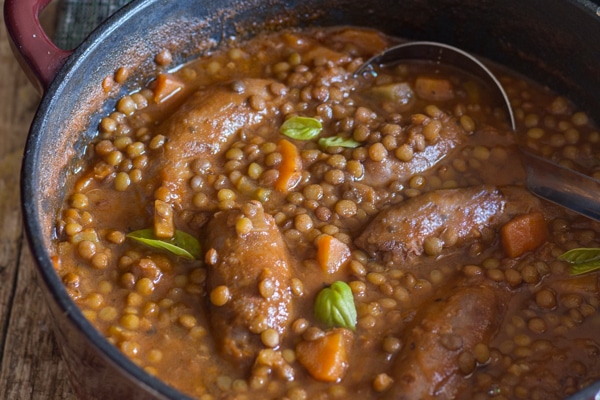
(262, 224)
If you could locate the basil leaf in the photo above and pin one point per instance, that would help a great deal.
(334, 306)
(583, 260)
(581, 255)
(584, 268)
(182, 244)
(301, 128)
(337, 141)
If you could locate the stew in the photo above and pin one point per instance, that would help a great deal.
(261, 223)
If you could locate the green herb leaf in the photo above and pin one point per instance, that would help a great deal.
(337, 141)
(334, 306)
(582, 260)
(182, 244)
(584, 268)
(581, 255)
(301, 128)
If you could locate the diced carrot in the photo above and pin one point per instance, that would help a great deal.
(165, 86)
(56, 263)
(434, 89)
(524, 233)
(326, 358)
(332, 253)
(289, 168)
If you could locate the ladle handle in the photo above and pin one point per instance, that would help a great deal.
(562, 186)
(39, 57)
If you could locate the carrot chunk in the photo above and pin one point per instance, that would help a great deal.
(56, 263)
(165, 86)
(289, 168)
(332, 253)
(326, 358)
(434, 89)
(523, 233)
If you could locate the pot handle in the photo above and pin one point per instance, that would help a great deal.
(39, 57)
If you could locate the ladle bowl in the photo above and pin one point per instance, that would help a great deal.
(548, 180)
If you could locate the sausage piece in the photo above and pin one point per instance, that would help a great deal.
(426, 152)
(251, 260)
(459, 215)
(457, 318)
(205, 124)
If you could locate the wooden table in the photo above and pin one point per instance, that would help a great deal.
(30, 364)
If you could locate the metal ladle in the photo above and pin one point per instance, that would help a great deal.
(553, 182)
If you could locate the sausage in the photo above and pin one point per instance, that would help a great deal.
(426, 153)
(204, 125)
(459, 215)
(461, 315)
(256, 268)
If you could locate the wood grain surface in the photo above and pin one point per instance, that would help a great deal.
(30, 364)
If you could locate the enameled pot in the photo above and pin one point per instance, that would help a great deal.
(553, 41)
